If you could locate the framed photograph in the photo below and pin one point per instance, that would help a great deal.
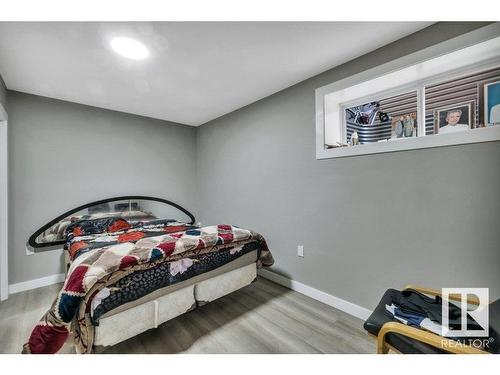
(454, 118)
(404, 125)
(489, 101)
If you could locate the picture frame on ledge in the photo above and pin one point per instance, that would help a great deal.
(489, 101)
(404, 125)
(455, 117)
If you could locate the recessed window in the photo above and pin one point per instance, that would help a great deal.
(451, 99)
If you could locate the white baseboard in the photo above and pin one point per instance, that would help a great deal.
(338, 303)
(36, 283)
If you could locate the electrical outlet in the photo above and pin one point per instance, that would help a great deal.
(300, 251)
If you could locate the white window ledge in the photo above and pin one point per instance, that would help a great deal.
(479, 135)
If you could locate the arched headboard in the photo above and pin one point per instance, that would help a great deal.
(134, 207)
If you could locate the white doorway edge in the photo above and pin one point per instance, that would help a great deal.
(4, 211)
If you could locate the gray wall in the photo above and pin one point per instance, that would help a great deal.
(64, 154)
(368, 223)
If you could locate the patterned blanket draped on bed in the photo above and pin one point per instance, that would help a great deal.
(101, 259)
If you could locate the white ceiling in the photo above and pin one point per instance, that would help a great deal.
(195, 72)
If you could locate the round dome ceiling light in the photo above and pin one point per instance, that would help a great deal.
(129, 48)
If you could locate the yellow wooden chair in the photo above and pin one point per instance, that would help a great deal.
(401, 338)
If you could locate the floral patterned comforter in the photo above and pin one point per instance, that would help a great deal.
(103, 251)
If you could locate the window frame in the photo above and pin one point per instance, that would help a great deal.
(475, 60)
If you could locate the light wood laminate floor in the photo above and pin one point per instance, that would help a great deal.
(261, 318)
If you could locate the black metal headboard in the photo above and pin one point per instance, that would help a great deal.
(38, 245)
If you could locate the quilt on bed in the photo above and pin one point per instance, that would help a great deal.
(104, 251)
(141, 283)
(57, 231)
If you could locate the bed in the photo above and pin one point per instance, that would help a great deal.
(134, 263)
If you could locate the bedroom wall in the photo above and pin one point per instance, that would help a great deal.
(64, 154)
(367, 223)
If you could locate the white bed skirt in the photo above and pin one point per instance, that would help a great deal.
(131, 322)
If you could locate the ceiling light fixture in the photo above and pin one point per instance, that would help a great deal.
(129, 48)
